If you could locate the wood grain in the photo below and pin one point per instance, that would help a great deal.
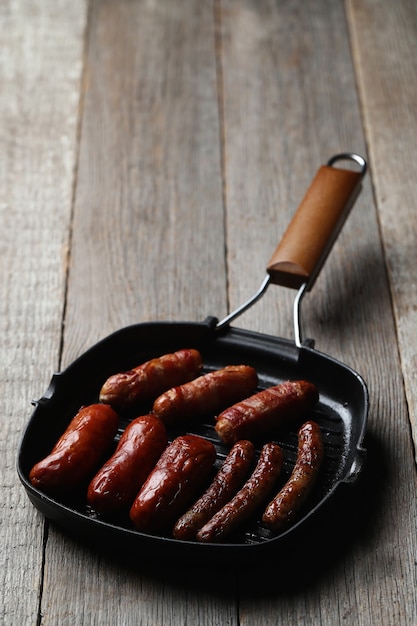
(147, 243)
(148, 225)
(152, 156)
(291, 69)
(387, 85)
(40, 69)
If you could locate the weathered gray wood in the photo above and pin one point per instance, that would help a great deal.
(147, 243)
(148, 225)
(384, 36)
(103, 592)
(290, 103)
(40, 68)
(186, 107)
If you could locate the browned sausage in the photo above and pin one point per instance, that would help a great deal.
(78, 451)
(147, 381)
(280, 512)
(227, 481)
(117, 483)
(207, 394)
(176, 478)
(248, 499)
(266, 411)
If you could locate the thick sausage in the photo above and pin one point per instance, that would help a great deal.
(266, 411)
(206, 394)
(227, 481)
(117, 483)
(78, 451)
(147, 381)
(170, 487)
(248, 499)
(280, 512)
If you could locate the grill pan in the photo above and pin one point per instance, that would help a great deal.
(341, 411)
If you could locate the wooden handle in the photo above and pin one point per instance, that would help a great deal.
(309, 238)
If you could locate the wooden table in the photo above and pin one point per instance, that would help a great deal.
(152, 154)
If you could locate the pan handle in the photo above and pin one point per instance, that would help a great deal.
(310, 236)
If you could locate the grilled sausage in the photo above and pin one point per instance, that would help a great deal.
(266, 411)
(248, 499)
(117, 483)
(78, 451)
(206, 394)
(146, 382)
(227, 481)
(280, 512)
(176, 478)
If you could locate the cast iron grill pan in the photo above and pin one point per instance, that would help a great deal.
(341, 411)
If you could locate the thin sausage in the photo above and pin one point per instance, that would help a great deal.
(170, 487)
(78, 451)
(147, 381)
(248, 499)
(206, 394)
(283, 508)
(117, 483)
(227, 481)
(266, 411)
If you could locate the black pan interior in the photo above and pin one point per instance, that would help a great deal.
(341, 414)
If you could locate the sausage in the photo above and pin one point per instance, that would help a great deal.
(282, 509)
(266, 411)
(248, 499)
(170, 487)
(227, 481)
(78, 451)
(147, 381)
(117, 483)
(206, 394)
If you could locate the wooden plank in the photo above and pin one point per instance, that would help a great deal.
(148, 224)
(387, 82)
(290, 103)
(147, 243)
(40, 69)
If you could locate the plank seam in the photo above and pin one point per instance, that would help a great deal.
(83, 82)
(218, 53)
